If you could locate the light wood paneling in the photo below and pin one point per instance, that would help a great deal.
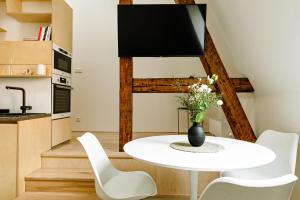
(6, 51)
(21, 71)
(61, 186)
(20, 53)
(62, 24)
(31, 17)
(2, 30)
(61, 130)
(14, 5)
(81, 196)
(34, 138)
(8, 157)
(32, 53)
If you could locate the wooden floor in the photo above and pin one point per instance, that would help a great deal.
(109, 141)
(80, 196)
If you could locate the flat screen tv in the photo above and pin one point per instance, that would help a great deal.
(161, 30)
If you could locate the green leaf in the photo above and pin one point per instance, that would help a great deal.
(199, 117)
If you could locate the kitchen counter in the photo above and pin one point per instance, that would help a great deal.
(14, 118)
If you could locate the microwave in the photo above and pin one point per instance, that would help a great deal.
(62, 61)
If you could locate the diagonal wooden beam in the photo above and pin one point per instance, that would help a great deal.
(168, 85)
(232, 107)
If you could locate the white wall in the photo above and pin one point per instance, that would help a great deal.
(264, 41)
(96, 94)
(38, 94)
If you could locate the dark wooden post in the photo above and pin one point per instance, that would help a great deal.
(125, 123)
(125, 116)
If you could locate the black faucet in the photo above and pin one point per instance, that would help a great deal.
(23, 107)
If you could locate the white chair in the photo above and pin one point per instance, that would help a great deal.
(284, 146)
(110, 183)
(228, 188)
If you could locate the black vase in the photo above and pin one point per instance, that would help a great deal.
(196, 135)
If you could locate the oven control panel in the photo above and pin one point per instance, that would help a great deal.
(62, 80)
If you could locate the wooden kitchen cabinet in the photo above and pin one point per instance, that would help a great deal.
(23, 53)
(8, 156)
(62, 24)
(6, 51)
(32, 53)
(61, 130)
(20, 152)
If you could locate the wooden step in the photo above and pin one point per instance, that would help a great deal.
(60, 180)
(71, 160)
(57, 196)
(80, 196)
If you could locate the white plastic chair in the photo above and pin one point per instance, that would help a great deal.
(284, 146)
(110, 183)
(228, 188)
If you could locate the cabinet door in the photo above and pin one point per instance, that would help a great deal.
(32, 53)
(62, 24)
(6, 52)
(8, 163)
(61, 130)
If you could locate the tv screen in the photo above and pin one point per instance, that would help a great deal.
(161, 30)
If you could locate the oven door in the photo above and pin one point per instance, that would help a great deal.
(61, 100)
(62, 62)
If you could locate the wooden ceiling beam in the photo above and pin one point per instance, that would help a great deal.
(168, 85)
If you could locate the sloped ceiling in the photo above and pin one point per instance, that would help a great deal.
(263, 38)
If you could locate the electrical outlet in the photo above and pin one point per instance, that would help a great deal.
(77, 119)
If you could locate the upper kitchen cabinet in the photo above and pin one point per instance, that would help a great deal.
(15, 9)
(30, 53)
(55, 13)
(62, 24)
(20, 58)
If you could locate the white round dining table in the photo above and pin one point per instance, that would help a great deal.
(236, 155)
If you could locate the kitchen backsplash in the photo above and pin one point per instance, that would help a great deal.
(38, 94)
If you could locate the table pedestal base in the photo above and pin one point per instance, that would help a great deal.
(193, 185)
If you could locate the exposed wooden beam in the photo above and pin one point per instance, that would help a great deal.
(125, 117)
(232, 107)
(168, 85)
(126, 101)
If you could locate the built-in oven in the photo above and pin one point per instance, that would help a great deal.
(61, 96)
(62, 61)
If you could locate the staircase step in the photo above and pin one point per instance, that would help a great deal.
(82, 196)
(60, 180)
(72, 160)
(57, 196)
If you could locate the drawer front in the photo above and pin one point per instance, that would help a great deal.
(6, 53)
(32, 53)
(61, 130)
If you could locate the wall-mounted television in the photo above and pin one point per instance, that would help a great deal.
(161, 30)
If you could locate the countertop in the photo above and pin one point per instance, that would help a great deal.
(20, 117)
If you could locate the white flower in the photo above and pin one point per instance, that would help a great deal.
(203, 88)
(220, 102)
(208, 90)
(210, 81)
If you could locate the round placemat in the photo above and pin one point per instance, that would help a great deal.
(207, 147)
